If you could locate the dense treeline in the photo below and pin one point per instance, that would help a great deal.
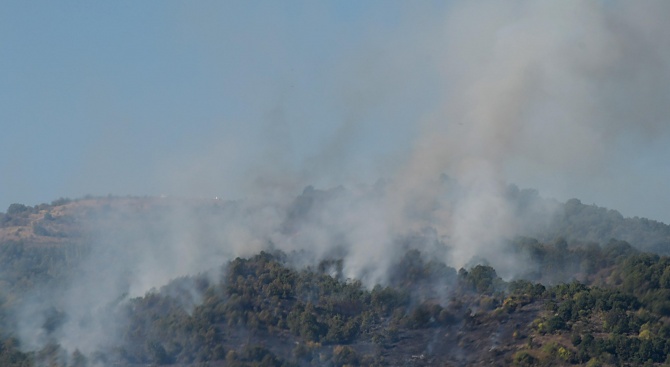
(577, 221)
(569, 303)
(331, 320)
(260, 297)
(557, 262)
(264, 313)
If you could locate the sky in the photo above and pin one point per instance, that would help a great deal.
(210, 98)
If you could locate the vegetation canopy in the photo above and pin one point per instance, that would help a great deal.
(576, 303)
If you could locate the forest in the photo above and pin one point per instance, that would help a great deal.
(580, 302)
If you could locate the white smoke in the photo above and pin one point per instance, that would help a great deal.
(534, 91)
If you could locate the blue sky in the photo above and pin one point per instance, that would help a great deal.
(194, 98)
(96, 96)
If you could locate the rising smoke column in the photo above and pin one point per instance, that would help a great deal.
(535, 89)
(529, 88)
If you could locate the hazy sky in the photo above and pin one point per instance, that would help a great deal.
(206, 98)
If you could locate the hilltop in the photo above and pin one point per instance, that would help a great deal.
(66, 220)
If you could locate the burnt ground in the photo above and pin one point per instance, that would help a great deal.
(481, 339)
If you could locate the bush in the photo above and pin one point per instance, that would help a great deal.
(555, 323)
(523, 358)
(343, 355)
(17, 209)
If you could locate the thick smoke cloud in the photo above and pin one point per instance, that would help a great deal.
(529, 91)
(537, 89)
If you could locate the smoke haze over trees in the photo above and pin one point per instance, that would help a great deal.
(569, 98)
(82, 286)
(369, 206)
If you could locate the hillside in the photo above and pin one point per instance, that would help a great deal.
(576, 300)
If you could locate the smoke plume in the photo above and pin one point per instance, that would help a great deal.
(528, 92)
